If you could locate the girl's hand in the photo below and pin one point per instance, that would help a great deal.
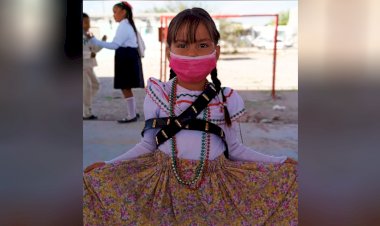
(104, 38)
(93, 166)
(291, 161)
(89, 35)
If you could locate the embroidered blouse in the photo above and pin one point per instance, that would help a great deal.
(156, 105)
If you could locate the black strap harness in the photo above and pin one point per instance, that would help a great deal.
(169, 126)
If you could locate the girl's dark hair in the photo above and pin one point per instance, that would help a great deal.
(85, 15)
(189, 19)
(129, 14)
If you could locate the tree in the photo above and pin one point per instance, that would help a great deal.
(283, 18)
(230, 33)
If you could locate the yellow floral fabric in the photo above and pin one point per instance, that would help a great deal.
(144, 191)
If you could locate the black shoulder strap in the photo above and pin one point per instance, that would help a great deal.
(194, 124)
(175, 125)
(172, 125)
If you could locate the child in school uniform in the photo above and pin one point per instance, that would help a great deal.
(90, 82)
(190, 168)
(128, 66)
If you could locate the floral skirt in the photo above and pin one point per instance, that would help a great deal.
(144, 191)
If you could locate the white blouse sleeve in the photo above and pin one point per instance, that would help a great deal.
(147, 143)
(239, 152)
(107, 45)
(122, 34)
(95, 48)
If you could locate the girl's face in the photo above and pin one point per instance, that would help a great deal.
(203, 43)
(86, 24)
(119, 14)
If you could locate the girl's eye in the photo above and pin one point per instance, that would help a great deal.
(181, 45)
(203, 45)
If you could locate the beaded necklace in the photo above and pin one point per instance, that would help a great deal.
(198, 178)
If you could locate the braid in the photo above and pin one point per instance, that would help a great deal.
(215, 80)
(172, 74)
(130, 19)
(217, 83)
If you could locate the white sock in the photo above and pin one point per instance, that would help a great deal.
(86, 111)
(131, 104)
(134, 106)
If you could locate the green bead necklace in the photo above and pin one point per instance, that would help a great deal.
(197, 179)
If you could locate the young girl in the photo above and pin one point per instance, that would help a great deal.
(128, 67)
(187, 180)
(90, 82)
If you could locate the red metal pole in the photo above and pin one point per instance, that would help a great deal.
(274, 60)
(160, 49)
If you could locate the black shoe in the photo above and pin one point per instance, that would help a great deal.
(91, 117)
(124, 120)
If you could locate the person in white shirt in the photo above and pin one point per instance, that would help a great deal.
(90, 82)
(128, 67)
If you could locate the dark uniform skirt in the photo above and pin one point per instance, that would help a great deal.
(128, 69)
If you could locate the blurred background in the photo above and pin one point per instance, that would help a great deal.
(41, 130)
(247, 43)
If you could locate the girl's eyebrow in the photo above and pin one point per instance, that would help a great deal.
(180, 40)
(200, 40)
(203, 39)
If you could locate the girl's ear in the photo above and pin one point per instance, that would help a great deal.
(217, 52)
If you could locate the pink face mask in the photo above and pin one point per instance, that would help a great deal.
(192, 69)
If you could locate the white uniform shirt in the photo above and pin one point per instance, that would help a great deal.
(156, 104)
(88, 48)
(125, 37)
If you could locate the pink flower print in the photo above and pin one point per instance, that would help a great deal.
(124, 214)
(130, 199)
(108, 200)
(96, 183)
(209, 199)
(271, 204)
(284, 187)
(246, 223)
(258, 213)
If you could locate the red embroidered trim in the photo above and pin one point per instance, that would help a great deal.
(154, 82)
(156, 102)
(230, 93)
